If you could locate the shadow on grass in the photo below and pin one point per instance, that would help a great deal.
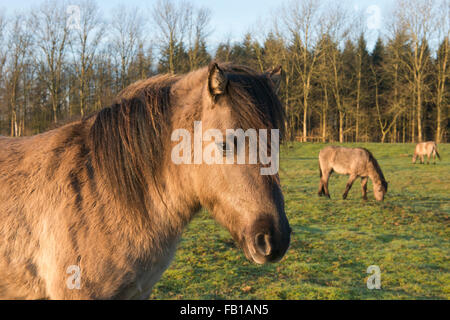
(385, 238)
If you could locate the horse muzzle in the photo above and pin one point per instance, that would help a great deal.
(266, 242)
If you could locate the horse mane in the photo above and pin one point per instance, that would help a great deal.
(127, 138)
(377, 168)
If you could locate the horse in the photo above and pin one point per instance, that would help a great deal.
(355, 162)
(94, 209)
(426, 148)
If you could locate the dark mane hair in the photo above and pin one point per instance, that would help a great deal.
(377, 169)
(127, 141)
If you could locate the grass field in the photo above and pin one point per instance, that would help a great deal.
(333, 241)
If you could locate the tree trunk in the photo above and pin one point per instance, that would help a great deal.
(341, 127)
(394, 134)
(305, 116)
(358, 98)
(324, 117)
(438, 124)
(55, 109)
(419, 110)
(288, 130)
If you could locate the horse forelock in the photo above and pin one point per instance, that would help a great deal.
(254, 100)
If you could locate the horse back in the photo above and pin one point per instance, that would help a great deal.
(344, 160)
(425, 148)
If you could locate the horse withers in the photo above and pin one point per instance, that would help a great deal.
(355, 162)
(95, 209)
(426, 149)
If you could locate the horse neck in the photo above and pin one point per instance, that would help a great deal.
(173, 196)
(169, 206)
(167, 213)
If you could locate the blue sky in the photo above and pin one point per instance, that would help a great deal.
(230, 18)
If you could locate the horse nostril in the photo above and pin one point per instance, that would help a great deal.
(262, 242)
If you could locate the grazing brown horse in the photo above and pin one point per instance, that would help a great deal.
(95, 209)
(426, 148)
(355, 162)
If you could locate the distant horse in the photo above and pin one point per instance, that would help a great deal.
(95, 209)
(426, 148)
(356, 162)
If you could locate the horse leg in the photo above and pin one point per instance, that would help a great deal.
(321, 188)
(364, 187)
(428, 158)
(321, 183)
(326, 177)
(422, 160)
(349, 185)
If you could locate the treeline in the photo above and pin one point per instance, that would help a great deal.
(60, 61)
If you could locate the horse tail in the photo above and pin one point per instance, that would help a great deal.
(435, 150)
(320, 170)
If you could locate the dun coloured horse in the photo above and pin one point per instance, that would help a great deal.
(355, 162)
(426, 148)
(94, 209)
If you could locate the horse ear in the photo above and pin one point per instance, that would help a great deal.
(217, 81)
(275, 75)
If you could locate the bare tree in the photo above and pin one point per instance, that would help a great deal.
(2, 48)
(172, 20)
(394, 69)
(279, 50)
(51, 30)
(323, 78)
(360, 68)
(442, 66)
(418, 19)
(87, 37)
(338, 29)
(2, 62)
(332, 87)
(198, 31)
(304, 20)
(19, 43)
(127, 26)
(388, 117)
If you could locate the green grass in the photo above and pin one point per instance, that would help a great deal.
(333, 241)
